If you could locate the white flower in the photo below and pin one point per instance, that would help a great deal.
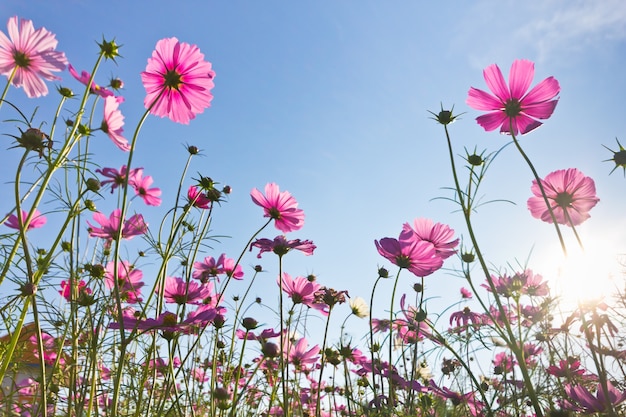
(359, 307)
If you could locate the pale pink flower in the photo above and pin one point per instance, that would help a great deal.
(30, 53)
(178, 81)
(440, 235)
(511, 106)
(410, 252)
(113, 122)
(37, 221)
(141, 186)
(280, 206)
(110, 227)
(298, 355)
(571, 196)
(84, 79)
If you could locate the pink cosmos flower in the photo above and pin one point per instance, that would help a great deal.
(129, 280)
(300, 289)
(280, 206)
(280, 246)
(66, 290)
(465, 293)
(503, 363)
(178, 81)
(37, 221)
(110, 227)
(211, 267)
(410, 252)
(84, 77)
(298, 355)
(141, 186)
(571, 196)
(178, 291)
(197, 198)
(582, 400)
(463, 318)
(438, 234)
(117, 178)
(113, 122)
(30, 53)
(511, 106)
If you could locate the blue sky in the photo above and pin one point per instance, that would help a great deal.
(330, 100)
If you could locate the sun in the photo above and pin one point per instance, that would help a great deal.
(590, 274)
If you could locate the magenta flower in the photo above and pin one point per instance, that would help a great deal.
(580, 399)
(213, 268)
(465, 293)
(280, 206)
(37, 221)
(298, 355)
(178, 81)
(463, 318)
(117, 178)
(300, 289)
(113, 122)
(178, 291)
(571, 196)
(511, 106)
(110, 227)
(438, 234)
(280, 246)
(418, 256)
(30, 54)
(84, 77)
(197, 198)
(503, 363)
(129, 280)
(141, 186)
(66, 290)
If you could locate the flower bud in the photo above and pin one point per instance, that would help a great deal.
(270, 350)
(66, 246)
(193, 150)
(116, 84)
(93, 184)
(383, 273)
(475, 160)
(110, 50)
(249, 323)
(91, 206)
(65, 92)
(28, 289)
(468, 257)
(418, 288)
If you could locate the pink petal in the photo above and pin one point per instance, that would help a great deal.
(545, 90)
(541, 110)
(492, 121)
(520, 76)
(495, 82)
(481, 100)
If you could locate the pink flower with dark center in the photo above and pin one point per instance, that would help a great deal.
(84, 77)
(110, 227)
(440, 235)
(300, 289)
(178, 291)
(503, 363)
(580, 399)
(298, 355)
(571, 196)
(30, 55)
(229, 267)
(280, 206)
(197, 198)
(465, 293)
(66, 289)
(465, 317)
(567, 368)
(117, 178)
(141, 186)
(511, 106)
(129, 280)
(113, 122)
(178, 81)
(280, 246)
(410, 252)
(468, 399)
(212, 268)
(37, 221)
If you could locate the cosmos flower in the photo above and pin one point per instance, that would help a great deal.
(178, 291)
(410, 252)
(438, 234)
(359, 307)
(280, 206)
(299, 289)
(571, 196)
(37, 221)
(117, 178)
(580, 399)
(30, 54)
(141, 185)
(178, 81)
(66, 289)
(129, 280)
(197, 198)
(113, 122)
(84, 77)
(511, 106)
(280, 246)
(298, 355)
(211, 267)
(110, 227)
